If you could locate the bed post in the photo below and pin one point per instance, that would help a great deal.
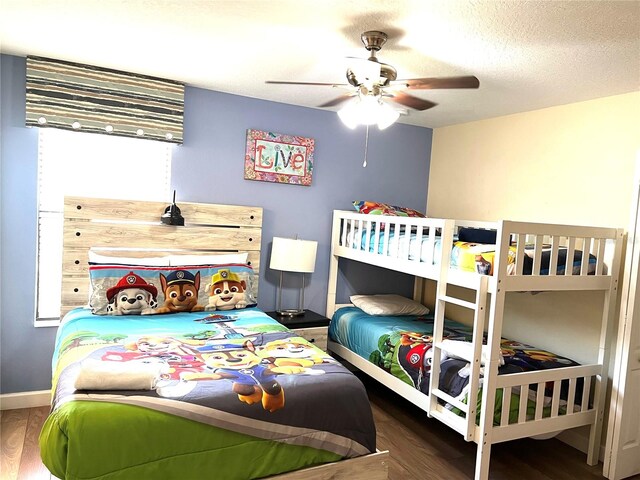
(418, 289)
(333, 267)
(608, 312)
(494, 334)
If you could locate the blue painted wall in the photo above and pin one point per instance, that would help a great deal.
(209, 168)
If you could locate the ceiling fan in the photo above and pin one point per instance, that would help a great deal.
(372, 78)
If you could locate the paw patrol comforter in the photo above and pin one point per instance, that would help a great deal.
(193, 395)
(401, 345)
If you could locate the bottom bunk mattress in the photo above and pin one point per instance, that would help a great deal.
(234, 395)
(402, 346)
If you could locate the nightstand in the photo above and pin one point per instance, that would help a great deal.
(310, 326)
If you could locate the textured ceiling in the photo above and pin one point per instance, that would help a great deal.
(527, 54)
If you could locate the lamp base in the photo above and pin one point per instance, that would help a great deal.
(290, 312)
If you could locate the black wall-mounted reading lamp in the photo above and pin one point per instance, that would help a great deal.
(172, 215)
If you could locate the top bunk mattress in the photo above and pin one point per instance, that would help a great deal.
(470, 253)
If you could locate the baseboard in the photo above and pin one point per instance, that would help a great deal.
(11, 401)
(578, 438)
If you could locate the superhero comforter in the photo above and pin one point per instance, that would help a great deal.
(175, 396)
(401, 345)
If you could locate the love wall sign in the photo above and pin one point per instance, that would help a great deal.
(275, 157)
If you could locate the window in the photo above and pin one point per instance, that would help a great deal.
(89, 165)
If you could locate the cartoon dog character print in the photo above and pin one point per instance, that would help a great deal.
(528, 357)
(179, 356)
(483, 266)
(180, 292)
(253, 378)
(290, 353)
(132, 295)
(415, 356)
(227, 291)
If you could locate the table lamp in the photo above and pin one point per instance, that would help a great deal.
(292, 255)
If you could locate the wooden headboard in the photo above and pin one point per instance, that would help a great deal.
(133, 228)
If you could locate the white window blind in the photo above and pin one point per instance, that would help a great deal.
(90, 165)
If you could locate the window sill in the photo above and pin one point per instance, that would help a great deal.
(47, 323)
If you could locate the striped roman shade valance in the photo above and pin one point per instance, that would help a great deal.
(92, 99)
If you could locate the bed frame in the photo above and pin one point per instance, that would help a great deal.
(488, 311)
(133, 228)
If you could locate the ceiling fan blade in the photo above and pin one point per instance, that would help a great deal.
(277, 82)
(411, 101)
(440, 82)
(337, 101)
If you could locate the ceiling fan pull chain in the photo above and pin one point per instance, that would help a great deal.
(366, 145)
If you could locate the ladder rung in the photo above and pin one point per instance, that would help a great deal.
(449, 399)
(457, 301)
(459, 424)
(462, 355)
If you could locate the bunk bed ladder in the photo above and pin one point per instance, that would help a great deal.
(466, 427)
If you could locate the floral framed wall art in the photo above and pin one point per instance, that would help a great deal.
(275, 157)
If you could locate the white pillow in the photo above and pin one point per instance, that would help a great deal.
(208, 259)
(142, 261)
(388, 305)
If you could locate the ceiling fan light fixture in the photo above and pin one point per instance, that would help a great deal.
(350, 115)
(368, 110)
(387, 115)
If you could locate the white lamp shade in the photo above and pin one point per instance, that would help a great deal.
(293, 255)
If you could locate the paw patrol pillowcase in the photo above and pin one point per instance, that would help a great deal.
(149, 290)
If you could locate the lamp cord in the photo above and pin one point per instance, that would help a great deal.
(366, 146)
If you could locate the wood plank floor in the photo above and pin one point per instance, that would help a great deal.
(421, 448)
(19, 451)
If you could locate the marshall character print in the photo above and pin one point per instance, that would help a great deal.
(132, 295)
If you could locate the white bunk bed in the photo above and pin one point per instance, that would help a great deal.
(370, 239)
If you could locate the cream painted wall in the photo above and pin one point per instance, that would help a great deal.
(567, 164)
